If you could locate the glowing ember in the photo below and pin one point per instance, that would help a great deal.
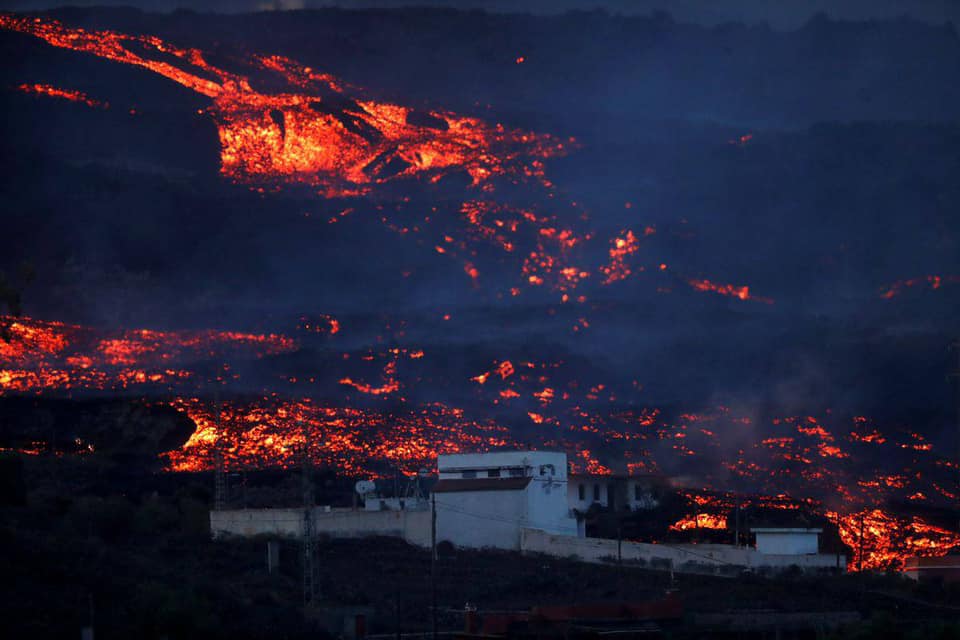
(621, 248)
(931, 282)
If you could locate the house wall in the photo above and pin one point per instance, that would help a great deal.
(547, 507)
(573, 492)
(629, 496)
(482, 518)
(787, 543)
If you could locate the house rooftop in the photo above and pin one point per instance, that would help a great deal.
(459, 485)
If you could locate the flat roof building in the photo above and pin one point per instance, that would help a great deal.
(487, 499)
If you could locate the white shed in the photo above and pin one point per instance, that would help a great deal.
(787, 541)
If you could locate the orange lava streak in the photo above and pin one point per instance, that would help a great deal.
(739, 292)
(390, 384)
(65, 94)
(933, 282)
(504, 370)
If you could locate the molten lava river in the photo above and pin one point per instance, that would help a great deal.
(338, 142)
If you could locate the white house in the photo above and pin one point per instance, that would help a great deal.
(790, 541)
(636, 492)
(486, 499)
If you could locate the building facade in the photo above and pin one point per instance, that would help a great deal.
(617, 492)
(794, 541)
(487, 499)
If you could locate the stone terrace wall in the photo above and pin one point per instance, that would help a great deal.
(702, 558)
(412, 526)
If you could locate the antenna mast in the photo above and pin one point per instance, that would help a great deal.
(309, 535)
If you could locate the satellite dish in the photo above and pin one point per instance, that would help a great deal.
(365, 487)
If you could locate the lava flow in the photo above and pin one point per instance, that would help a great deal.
(314, 134)
(320, 134)
(844, 467)
(44, 356)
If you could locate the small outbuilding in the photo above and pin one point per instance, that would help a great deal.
(946, 568)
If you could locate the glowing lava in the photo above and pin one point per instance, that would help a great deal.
(314, 134)
(734, 291)
(931, 282)
(44, 356)
(64, 94)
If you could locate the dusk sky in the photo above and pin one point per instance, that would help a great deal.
(781, 15)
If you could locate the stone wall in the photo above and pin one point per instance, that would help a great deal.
(700, 558)
(412, 526)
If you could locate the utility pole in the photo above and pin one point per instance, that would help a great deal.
(433, 563)
(955, 374)
(619, 544)
(736, 524)
(860, 544)
(219, 464)
(309, 536)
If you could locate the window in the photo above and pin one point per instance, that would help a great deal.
(469, 474)
(516, 472)
(581, 491)
(493, 473)
(596, 492)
